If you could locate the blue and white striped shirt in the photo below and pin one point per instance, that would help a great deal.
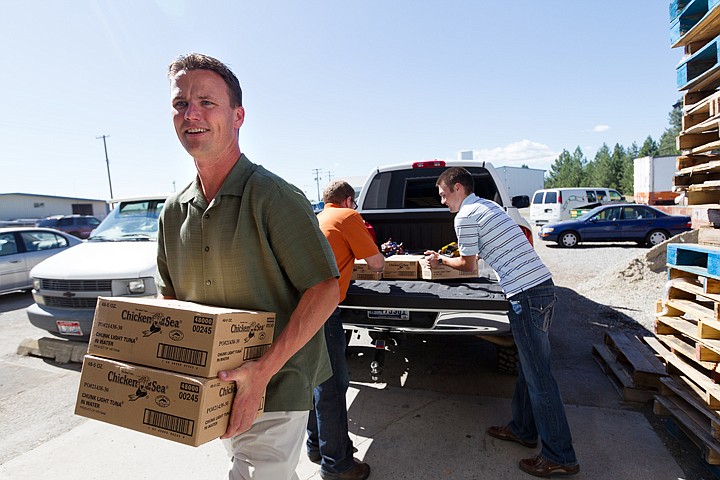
(483, 228)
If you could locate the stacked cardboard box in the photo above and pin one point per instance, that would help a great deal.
(403, 267)
(361, 271)
(443, 272)
(152, 365)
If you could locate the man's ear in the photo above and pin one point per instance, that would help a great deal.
(239, 117)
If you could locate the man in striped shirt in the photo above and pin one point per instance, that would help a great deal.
(484, 229)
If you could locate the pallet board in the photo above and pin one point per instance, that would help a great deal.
(700, 70)
(707, 258)
(640, 361)
(693, 21)
(619, 377)
(705, 388)
(688, 19)
(705, 349)
(709, 447)
(704, 415)
(630, 365)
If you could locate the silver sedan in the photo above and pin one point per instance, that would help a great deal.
(21, 248)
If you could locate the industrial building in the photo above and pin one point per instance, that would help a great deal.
(26, 208)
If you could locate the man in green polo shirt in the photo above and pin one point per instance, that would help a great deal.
(239, 236)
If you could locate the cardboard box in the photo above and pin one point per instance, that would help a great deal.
(403, 267)
(182, 408)
(361, 271)
(182, 337)
(443, 272)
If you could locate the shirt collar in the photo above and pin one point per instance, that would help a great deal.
(233, 185)
(472, 198)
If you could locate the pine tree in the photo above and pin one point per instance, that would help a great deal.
(567, 170)
(649, 148)
(668, 142)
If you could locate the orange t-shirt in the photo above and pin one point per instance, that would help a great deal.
(349, 239)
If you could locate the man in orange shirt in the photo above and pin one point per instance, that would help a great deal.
(328, 440)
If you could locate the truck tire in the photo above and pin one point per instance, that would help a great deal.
(508, 360)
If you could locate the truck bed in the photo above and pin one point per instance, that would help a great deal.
(467, 306)
(476, 294)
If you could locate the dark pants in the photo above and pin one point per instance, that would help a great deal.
(537, 407)
(328, 424)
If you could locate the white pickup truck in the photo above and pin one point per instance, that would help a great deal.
(402, 202)
(119, 259)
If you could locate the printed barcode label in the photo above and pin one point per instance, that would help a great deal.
(169, 422)
(182, 354)
(255, 351)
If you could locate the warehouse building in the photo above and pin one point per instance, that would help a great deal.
(27, 208)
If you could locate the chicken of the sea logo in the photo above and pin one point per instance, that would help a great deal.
(142, 388)
(155, 326)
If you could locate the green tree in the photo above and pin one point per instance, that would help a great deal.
(668, 142)
(649, 148)
(602, 172)
(567, 170)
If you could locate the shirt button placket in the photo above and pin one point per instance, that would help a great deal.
(206, 227)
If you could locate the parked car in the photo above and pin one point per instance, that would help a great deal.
(21, 248)
(617, 223)
(78, 225)
(119, 259)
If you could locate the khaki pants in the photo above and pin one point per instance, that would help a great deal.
(270, 449)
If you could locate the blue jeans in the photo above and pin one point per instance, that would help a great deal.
(328, 424)
(537, 406)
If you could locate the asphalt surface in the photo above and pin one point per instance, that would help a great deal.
(425, 418)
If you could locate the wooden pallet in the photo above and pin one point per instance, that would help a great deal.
(698, 422)
(704, 258)
(707, 193)
(693, 21)
(677, 389)
(684, 163)
(697, 381)
(700, 71)
(695, 348)
(630, 366)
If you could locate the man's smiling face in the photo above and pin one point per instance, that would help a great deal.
(205, 121)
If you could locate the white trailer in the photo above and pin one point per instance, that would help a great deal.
(522, 181)
(653, 180)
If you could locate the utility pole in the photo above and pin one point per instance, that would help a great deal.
(329, 175)
(316, 171)
(107, 162)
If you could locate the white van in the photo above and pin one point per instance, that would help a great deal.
(552, 205)
(119, 259)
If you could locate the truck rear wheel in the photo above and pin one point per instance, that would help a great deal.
(508, 360)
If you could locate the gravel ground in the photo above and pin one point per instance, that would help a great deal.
(625, 277)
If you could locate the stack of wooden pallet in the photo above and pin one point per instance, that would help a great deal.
(687, 339)
(695, 26)
(630, 365)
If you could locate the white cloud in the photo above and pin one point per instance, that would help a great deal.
(601, 128)
(532, 154)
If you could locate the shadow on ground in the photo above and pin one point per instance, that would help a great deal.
(463, 365)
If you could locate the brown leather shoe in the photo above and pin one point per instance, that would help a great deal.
(359, 471)
(542, 467)
(504, 433)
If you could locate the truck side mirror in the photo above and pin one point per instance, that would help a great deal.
(520, 201)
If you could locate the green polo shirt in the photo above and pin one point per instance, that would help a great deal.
(257, 246)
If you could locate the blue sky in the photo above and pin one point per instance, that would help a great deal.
(337, 86)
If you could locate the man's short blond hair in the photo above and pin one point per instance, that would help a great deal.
(337, 191)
